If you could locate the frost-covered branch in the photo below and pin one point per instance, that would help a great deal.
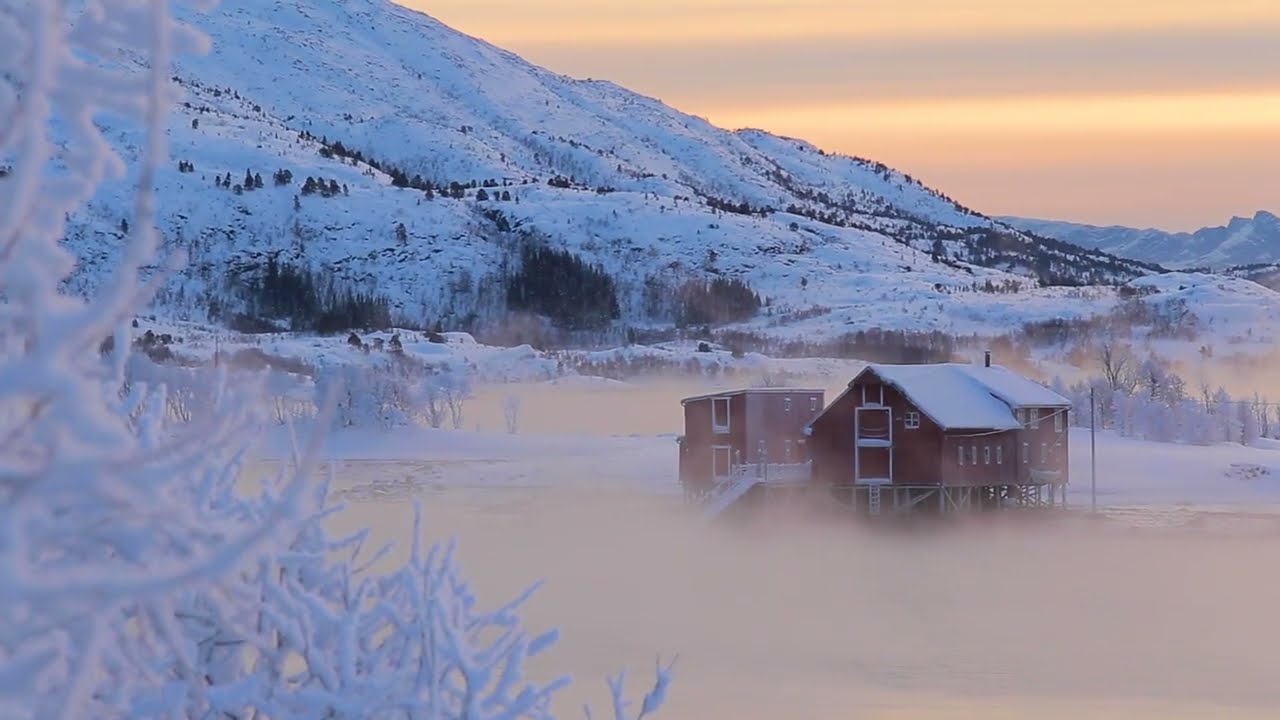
(140, 574)
(107, 516)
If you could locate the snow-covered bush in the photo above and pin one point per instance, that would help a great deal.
(396, 391)
(441, 394)
(140, 576)
(1151, 403)
(187, 390)
(107, 517)
(511, 413)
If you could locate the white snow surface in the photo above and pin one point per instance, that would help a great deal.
(1017, 391)
(961, 396)
(404, 89)
(1131, 473)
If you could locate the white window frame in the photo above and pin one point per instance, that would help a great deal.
(960, 454)
(786, 405)
(716, 427)
(911, 420)
(1059, 420)
(973, 454)
(999, 454)
(986, 454)
(1044, 453)
(716, 451)
(1026, 453)
(1035, 418)
(813, 404)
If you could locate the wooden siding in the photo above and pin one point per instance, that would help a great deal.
(915, 451)
(695, 459)
(1054, 442)
(757, 420)
(782, 418)
(995, 453)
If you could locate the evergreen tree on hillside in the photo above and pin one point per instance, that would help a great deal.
(562, 287)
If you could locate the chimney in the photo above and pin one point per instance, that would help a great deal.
(986, 358)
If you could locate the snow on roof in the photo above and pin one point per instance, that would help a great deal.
(1016, 390)
(964, 396)
(752, 391)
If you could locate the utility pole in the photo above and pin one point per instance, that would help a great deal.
(1093, 452)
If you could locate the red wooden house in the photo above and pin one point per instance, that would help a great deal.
(758, 431)
(946, 436)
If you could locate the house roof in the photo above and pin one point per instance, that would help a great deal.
(966, 397)
(753, 391)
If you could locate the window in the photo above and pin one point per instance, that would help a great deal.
(1044, 453)
(813, 404)
(762, 452)
(973, 454)
(912, 420)
(1026, 453)
(721, 461)
(960, 454)
(787, 451)
(1021, 416)
(1059, 419)
(1035, 418)
(786, 405)
(999, 454)
(720, 415)
(986, 454)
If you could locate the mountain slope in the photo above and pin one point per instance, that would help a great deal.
(1242, 241)
(477, 154)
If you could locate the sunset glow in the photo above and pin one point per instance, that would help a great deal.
(1173, 104)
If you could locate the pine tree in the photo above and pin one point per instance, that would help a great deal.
(402, 235)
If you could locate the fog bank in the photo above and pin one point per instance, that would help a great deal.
(799, 618)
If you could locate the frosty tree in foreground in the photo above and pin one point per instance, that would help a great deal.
(137, 577)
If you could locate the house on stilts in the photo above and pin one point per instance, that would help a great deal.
(935, 438)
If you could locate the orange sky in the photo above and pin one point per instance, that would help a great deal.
(1158, 113)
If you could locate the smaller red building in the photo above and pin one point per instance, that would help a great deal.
(761, 430)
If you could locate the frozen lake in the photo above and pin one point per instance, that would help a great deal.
(1166, 612)
(790, 619)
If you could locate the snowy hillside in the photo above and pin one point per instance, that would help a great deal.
(444, 158)
(1242, 241)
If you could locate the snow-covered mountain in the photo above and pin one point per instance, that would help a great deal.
(437, 160)
(1242, 241)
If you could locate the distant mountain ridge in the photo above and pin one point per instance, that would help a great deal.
(436, 159)
(1241, 242)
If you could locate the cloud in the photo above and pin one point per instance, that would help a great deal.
(599, 24)
(781, 72)
(1163, 113)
